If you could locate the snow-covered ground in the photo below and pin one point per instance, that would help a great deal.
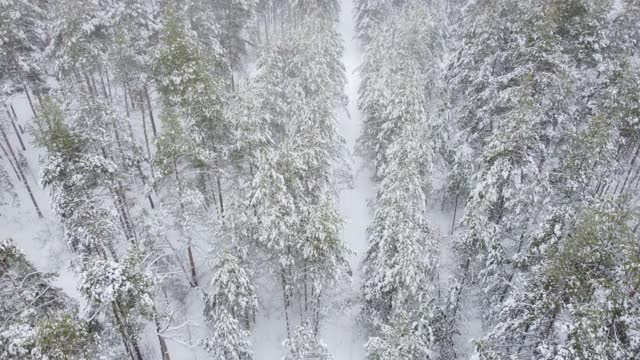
(40, 238)
(341, 330)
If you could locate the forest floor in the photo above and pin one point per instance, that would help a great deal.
(340, 330)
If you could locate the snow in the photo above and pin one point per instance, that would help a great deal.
(41, 239)
(340, 331)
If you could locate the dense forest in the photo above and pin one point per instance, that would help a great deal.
(319, 179)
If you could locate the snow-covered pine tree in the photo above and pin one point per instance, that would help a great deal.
(406, 335)
(293, 193)
(234, 18)
(134, 33)
(513, 127)
(79, 41)
(188, 77)
(392, 61)
(230, 307)
(174, 150)
(371, 14)
(76, 174)
(401, 263)
(22, 42)
(577, 302)
(305, 345)
(38, 320)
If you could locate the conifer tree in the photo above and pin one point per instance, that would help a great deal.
(305, 345)
(230, 309)
(75, 173)
(22, 41)
(39, 320)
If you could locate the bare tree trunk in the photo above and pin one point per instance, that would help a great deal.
(144, 131)
(153, 123)
(148, 147)
(26, 91)
(20, 172)
(15, 128)
(266, 30)
(122, 331)
(121, 215)
(104, 87)
(192, 265)
(88, 82)
(220, 195)
(132, 99)
(316, 326)
(306, 299)
(94, 84)
(4, 151)
(13, 111)
(286, 302)
(106, 72)
(164, 349)
(125, 211)
(455, 211)
(126, 100)
(131, 339)
(144, 182)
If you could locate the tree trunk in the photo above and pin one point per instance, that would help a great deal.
(126, 101)
(122, 331)
(132, 99)
(285, 299)
(4, 151)
(20, 172)
(121, 215)
(13, 111)
(104, 87)
(26, 91)
(304, 280)
(95, 86)
(13, 123)
(164, 349)
(455, 211)
(144, 182)
(131, 344)
(266, 30)
(153, 123)
(192, 264)
(316, 326)
(220, 195)
(88, 82)
(125, 211)
(106, 72)
(144, 131)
